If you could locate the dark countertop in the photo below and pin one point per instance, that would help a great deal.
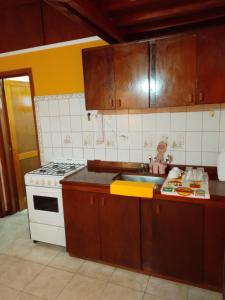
(86, 176)
(104, 178)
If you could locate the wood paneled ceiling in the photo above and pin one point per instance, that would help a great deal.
(129, 20)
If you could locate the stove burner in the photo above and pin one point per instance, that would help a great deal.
(60, 172)
(57, 169)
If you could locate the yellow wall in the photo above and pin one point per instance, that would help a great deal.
(55, 71)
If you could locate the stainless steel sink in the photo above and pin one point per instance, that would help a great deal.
(140, 178)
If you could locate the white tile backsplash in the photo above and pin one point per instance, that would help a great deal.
(163, 121)
(149, 122)
(65, 131)
(178, 121)
(136, 140)
(76, 123)
(194, 121)
(123, 155)
(122, 122)
(65, 123)
(135, 122)
(193, 141)
(43, 107)
(53, 107)
(209, 158)
(193, 158)
(210, 141)
(222, 140)
(211, 120)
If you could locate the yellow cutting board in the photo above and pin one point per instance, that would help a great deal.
(130, 188)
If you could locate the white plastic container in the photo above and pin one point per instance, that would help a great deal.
(221, 165)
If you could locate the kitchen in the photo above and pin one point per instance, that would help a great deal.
(114, 130)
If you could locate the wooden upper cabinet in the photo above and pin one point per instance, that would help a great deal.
(120, 230)
(178, 240)
(98, 78)
(117, 77)
(131, 67)
(175, 71)
(211, 66)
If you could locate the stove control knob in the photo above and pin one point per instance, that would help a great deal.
(55, 183)
(43, 182)
(37, 181)
(31, 180)
(49, 182)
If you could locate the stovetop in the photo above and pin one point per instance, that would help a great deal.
(57, 169)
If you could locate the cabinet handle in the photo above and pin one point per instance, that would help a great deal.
(103, 202)
(201, 97)
(191, 98)
(112, 103)
(92, 200)
(119, 102)
(158, 210)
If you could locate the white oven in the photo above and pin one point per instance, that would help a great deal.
(45, 209)
(44, 201)
(45, 205)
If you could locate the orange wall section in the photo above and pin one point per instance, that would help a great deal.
(55, 71)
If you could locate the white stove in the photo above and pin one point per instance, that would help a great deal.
(45, 203)
(50, 175)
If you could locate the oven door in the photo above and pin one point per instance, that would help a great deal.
(45, 205)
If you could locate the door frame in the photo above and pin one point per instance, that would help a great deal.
(6, 75)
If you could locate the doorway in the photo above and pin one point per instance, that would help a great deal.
(19, 144)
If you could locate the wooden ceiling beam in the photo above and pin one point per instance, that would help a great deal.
(141, 17)
(90, 16)
(172, 23)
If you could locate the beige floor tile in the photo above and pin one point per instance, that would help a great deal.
(25, 296)
(7, 293)
(167, 289)
(43, 253)
(65, 262)
(130, 279)
(153, 297)
(20, 274)
(20, 247)
(116, 292)
(195, 293)
(82, 288)
(6, 262)
(49, 283)
(96, 270)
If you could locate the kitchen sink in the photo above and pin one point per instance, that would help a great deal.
(140, 178)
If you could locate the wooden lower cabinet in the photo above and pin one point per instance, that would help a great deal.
(81, 224)
(178, 240)
(214, 245)
(120, 230)
(174, 239)
(103, 227)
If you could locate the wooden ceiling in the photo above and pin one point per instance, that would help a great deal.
(129, 20)
(31, 23)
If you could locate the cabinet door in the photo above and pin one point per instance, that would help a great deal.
(146, 234)
(214, 245)
(175, 67)
(81, 224)
(178, 240)
(211, 66)
(120, 230)
(98, 78)
(131, 67)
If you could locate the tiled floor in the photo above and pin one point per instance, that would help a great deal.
(31, 271)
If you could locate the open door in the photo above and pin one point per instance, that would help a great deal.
(8, 194)
(22, 131)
